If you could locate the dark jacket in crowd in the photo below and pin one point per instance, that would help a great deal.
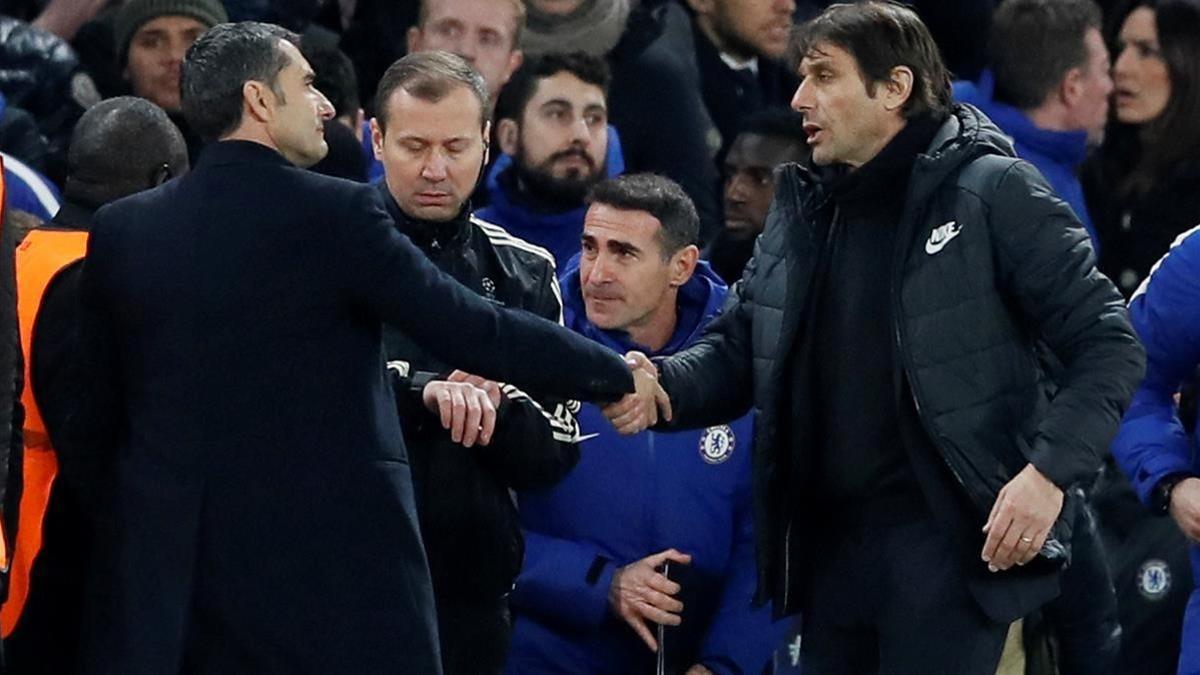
(731, 95)
(972, 297)
(57, 580)
(468, 521)
(1136, 230)
(20, 136)
(12, 414)
(655, 101)
(264, 507)
(40, 74)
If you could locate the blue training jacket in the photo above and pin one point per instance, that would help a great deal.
(630, 497)
(1057, 154)
(558, 233)
(1152, 443)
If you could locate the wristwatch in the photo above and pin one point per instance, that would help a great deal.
(1160, 497)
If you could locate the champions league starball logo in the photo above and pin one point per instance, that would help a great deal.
(716, 445)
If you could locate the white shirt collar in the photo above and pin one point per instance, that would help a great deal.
(735, 64)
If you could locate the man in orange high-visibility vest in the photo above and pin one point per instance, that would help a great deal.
(121, 146)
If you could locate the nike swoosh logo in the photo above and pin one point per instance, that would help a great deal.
(942, 236)
(586, 437)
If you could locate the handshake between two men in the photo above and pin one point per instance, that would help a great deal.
(1016, 528)
(466, 404)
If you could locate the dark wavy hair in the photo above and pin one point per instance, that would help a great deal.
(1160, 146)
(881, 35)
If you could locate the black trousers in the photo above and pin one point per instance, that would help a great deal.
(474, 636)
(886, 593)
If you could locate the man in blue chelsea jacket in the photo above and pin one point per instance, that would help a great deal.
(1047, 87)
(1155, 451)
(591, 593)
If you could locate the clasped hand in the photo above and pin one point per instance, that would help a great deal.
(641, 409)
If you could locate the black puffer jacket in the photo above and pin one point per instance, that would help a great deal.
(989, 267)
(40, 74)
(468, 522)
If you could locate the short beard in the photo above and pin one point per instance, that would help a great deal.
(566, 193)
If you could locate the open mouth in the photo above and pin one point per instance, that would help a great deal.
(812, 131)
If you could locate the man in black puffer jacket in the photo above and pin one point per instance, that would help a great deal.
(40, 74)
(430, 134)
(911, 460)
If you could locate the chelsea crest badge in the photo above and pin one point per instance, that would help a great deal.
(716, 444)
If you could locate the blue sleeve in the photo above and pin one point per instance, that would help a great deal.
(564, 582)
(1152, 443)
(741, 637)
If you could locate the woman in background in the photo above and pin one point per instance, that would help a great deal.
(1143, 186)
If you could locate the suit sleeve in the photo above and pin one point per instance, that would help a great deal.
(1152, 443)
(741, 637)
(385, 274)
(1048, 268)
(563, 582)
(710, 382)
(537, 436)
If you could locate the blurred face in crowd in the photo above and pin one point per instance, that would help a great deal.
(156, 57)
(845, 121)
(1094, 87)
(298, 111)
(432, 152)
(482, 32)
(750, 181)
(626, 281)
(562, 136)
(1143, 85)
(747, 28)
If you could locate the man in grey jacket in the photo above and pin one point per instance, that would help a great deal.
(933, 357)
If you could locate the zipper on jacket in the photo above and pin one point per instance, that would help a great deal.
(899, 255)
(787, 564)
(916, 399)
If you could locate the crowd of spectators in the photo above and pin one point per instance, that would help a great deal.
(1103, 98)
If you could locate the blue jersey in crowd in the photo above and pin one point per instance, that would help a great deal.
(630, 497)
(1152, 443)
(1057, 154)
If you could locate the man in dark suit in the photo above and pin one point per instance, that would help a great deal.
(264, 508)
